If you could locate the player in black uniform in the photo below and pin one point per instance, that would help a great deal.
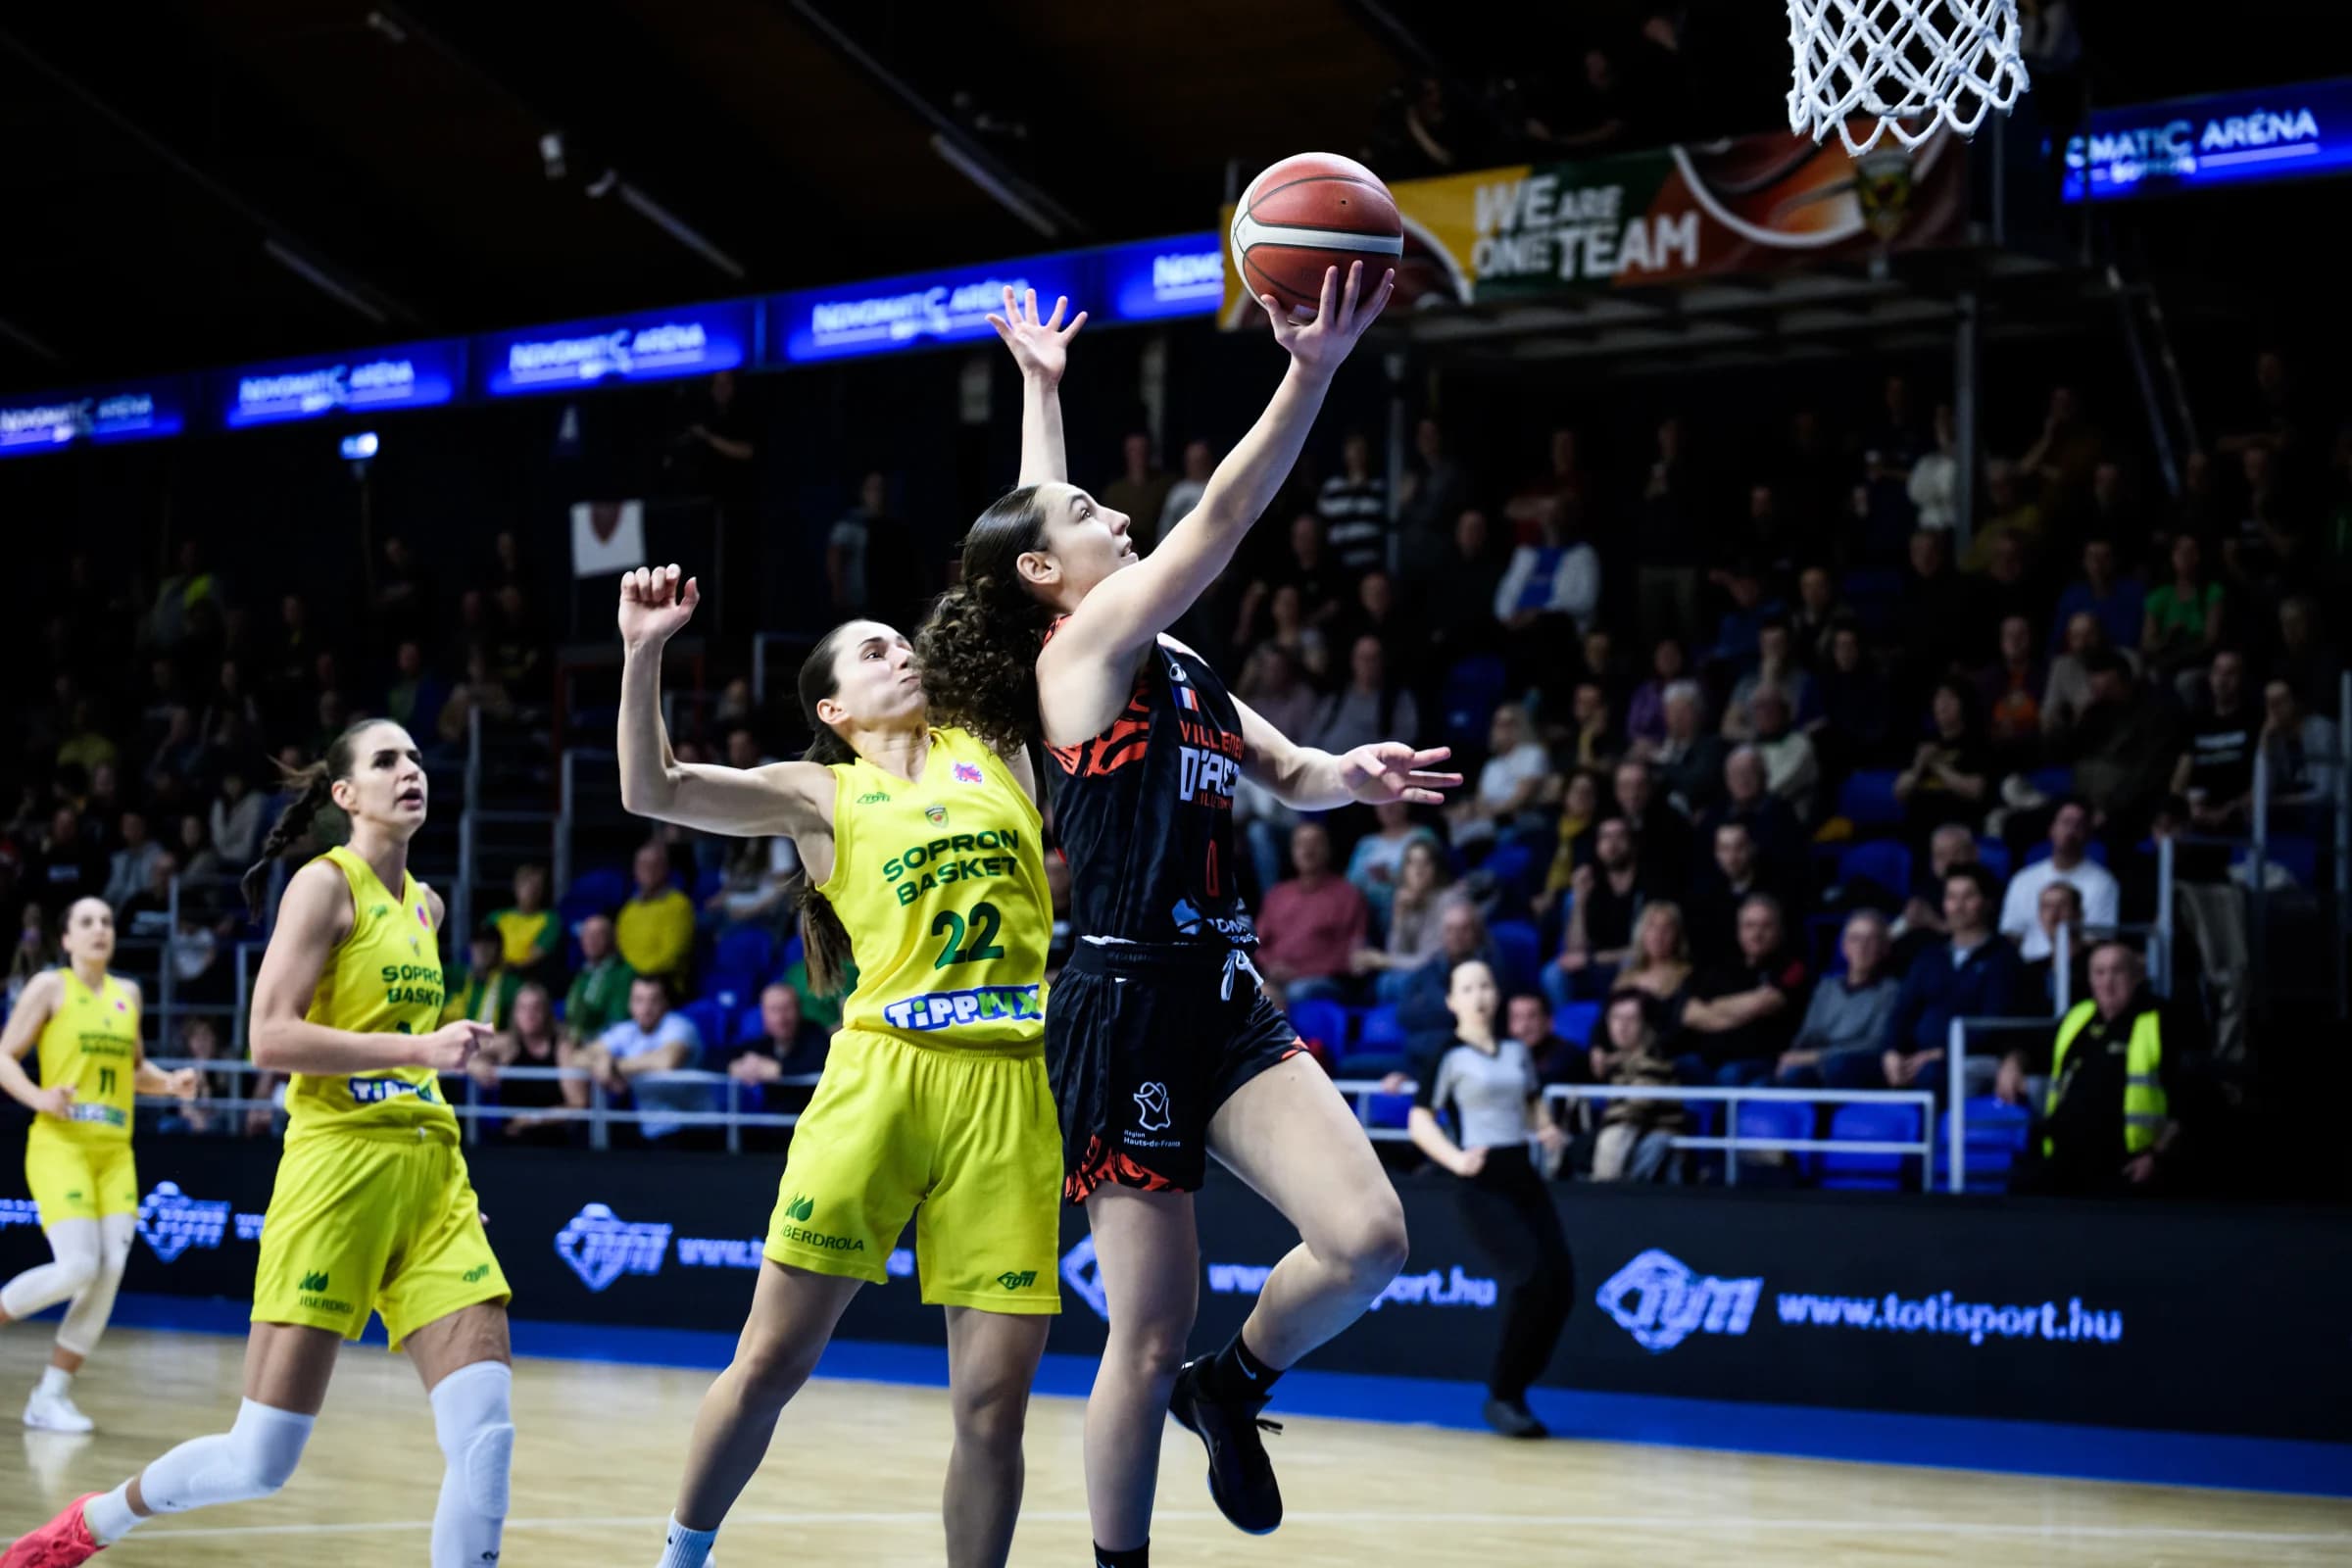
(1161, 1046)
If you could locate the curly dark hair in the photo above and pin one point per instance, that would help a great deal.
(977, 651)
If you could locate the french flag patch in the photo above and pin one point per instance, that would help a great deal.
(1187, 698)
(969, 773)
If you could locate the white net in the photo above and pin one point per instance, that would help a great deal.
(1905, 66)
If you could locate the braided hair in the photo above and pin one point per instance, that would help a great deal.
(314, 788)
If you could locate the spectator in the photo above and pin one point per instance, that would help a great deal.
(1935, 482)
(1951, 776)
(1200, 461)
(404, 596)
(1273, 688)
(1433, 488)
(1972, 974)
(1561, 489)
(35, 951)
(1661, 964)
(2060, 907)
(2011, 518)
(1890, 446)
(1415, 925)
(133, 864)
(1690, 761)
(787, 1046)
(146, 915)
(2302, 749)
(1377, 857)
(2108, 1125)
(528, 930)
(199, 1041)
(1844, 1031)
(651, 1039)
(1819, 611)
(756, 882)
(1375, 613)
(1635, 1143)
(1672, 547)
(1592, 742)
(1661, 833)
(237, 819)
(199, 862)
(1461, 592)
(1779, 664)
(1600, 937)
(1558, 575)
(485, 988)
(2007, 588)
(413, 698)
(479, 690)
(2183, 619)
(533, 1109)
(1573, 839)
(1370, 708)
(2067, 697)
(65, 866)
(1353, 506)
(1791, 770)
(1857, 704)
(1741, 1015)
(1937, 609)
(1645, 714)
(1739, 634)
(2064, 458)
(1289, 628)
(2119, 747)
(86, 745)
(1736, 875)
(1921, 925)
(1312, 926)
(1421, 1006)
(859, 542)
(2117, 602)
(2216, 773)
(1780, 838)
(2011, 688)
(1508, 785)
(598, 996)
(655, 929)
(2021, 905)
(1311, 570)
(2306, 661)
(1557, 1061)
(1490, 1089)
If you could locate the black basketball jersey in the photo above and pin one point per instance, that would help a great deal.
(1145, 811)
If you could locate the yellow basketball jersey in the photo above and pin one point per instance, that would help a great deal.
(383, 978)
(91, 1042)
(942, 885)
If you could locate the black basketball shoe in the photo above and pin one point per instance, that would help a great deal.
(1240, 1478)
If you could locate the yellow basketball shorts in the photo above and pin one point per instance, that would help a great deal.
(379, 1222)
(963, 1137)
(72, 1179)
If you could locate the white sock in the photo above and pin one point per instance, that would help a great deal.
(56, 1380)
(473, 1420)
(109, 1515)
(685, 1548)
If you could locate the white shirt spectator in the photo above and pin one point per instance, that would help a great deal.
(625, 1040)
(1356, 519)
(1553, 579)
(1791, 769)
(1935, 490)
(1497, 782)
(2021, 905)
(237, 829)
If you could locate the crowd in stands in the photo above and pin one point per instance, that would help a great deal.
(1771, 774)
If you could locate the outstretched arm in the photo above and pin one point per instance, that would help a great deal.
(1041, 349)
(1307, 778)
(789, 797)
(1128, 610)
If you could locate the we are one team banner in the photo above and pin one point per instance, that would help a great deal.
(1146, 280)
(1665, 215)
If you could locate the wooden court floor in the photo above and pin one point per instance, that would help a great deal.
(853, 1479)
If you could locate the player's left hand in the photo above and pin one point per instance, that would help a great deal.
(182, 1083)
(1391, 770)
(1041, 349)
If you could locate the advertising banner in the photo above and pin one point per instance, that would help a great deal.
(921, 310)
(2233, 138)
(47, 421)
(409, 376)
(649, 346)
(2164, 1317)
(1667, 214)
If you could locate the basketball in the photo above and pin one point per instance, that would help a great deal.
(1308, 213)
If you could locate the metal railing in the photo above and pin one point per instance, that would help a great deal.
(1360, 1092)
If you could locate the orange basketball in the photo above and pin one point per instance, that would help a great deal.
(1308, 213)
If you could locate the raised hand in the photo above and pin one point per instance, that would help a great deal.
(1041, 349)
(1346, 310)
(653, 607)
(1391, 770)
(449, 1047)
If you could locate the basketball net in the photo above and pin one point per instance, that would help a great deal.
(1889, 61)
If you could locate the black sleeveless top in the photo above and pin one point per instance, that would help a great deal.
(1145, 811)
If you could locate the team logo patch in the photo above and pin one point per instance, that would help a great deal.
(1151, 1108)
(969, 773)
(600, 1246)
(937, 813)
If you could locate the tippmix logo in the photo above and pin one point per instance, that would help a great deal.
(170, 1221)
(600, 1246)
(1661, 1302)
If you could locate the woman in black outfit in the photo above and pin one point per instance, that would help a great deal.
(1488, 1085)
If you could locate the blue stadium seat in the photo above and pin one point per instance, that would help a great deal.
(2039, 851)
(1324, 1023)
(1473, 690)
(2055, 782)
(706, 885)
(1774, 1118)
(1996, 1136)
(1885, 861)
(1876, 594)
(1513, 866)
(2295, 851)
(709, 1020)
(1522, 948)
(1576, 1023)
(1994, 855)
(1866, 798)
(598, 890)
(1387, 1110)
(746, 1024)
(1867, 1124)
(1381, 1030)
(791, 951)
(745, 958)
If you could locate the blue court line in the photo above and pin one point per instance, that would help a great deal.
(1806, 1432)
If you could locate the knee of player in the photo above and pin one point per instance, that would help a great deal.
(992, 1412)
(774, 1372)
(77, 1274)
(1153, 1349)
(1370, 1246)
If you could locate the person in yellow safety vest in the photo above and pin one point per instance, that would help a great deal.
(2107, 1121)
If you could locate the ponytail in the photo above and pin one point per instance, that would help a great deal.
(825, 939)
(314, 788)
